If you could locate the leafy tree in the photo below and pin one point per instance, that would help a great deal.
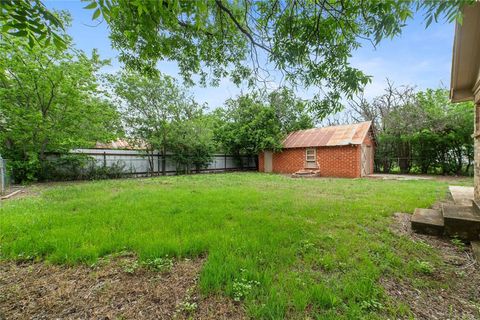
(422, 130)
(290, 111)
(159, 114)
(251, 123)
(193, 143)
(310, 42)
(248, 127)
(49, 102)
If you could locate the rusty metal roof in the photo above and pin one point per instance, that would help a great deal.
(328, 136)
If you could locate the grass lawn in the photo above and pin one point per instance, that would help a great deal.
(288, 248)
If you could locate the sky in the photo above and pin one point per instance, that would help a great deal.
(419, 57)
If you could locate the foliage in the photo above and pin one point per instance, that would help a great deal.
(309, 42)
(252, 123)
(193, 144)
(160, 115)
(423, 131)
(163, 264)
(68, 167)
(242, 287)
(424, 267)
(49, 102)
(31, 20)
(248, 126)
(246, 226)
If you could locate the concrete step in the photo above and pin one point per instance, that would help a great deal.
(427, 221)
(461, 195)
(306, 173)
(461, 221)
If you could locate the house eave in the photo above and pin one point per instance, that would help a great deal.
(465, 79)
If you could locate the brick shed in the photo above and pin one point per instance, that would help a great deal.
(336, 151)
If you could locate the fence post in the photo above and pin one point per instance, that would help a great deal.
(225, 162)
(104, 159)
(2, 176)
(158, 163)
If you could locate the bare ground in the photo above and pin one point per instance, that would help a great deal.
(459, 295)
(108, 291)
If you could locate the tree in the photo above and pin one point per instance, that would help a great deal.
(310, 42)
(252, 123)
(248, 127)
(290, 111)
(159, 114)
(423, 130)
(49, 102)
(193, 143)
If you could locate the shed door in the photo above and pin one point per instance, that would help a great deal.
(366, 160)
(267, 158)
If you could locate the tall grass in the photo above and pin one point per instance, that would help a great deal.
(287, 247)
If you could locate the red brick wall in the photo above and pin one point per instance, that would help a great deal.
(342, 161)
(288, 160)
(335, 161)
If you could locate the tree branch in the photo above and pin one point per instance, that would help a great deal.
(240, 27)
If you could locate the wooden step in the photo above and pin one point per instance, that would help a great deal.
(461, 221)
(427, 221)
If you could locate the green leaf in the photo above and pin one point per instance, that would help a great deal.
(20, 33)
(96, 14)
(92, 5)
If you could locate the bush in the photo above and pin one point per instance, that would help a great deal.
(70, 167)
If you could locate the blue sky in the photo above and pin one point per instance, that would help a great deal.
(419, 56)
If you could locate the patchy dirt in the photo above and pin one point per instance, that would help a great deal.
(458, 298)
(115, 288)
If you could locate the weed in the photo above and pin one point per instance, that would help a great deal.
(164, 264)
(131, 267)
(305, 246)
(371, 305)
(187, 307)
(458, 243)
(242, 286)
(424, 267)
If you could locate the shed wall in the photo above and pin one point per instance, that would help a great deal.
(338, 161)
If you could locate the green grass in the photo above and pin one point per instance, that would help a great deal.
(289, 248)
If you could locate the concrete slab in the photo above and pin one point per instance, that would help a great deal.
(461, 221)
(462, 196)
(389, 176)
(427, 221)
